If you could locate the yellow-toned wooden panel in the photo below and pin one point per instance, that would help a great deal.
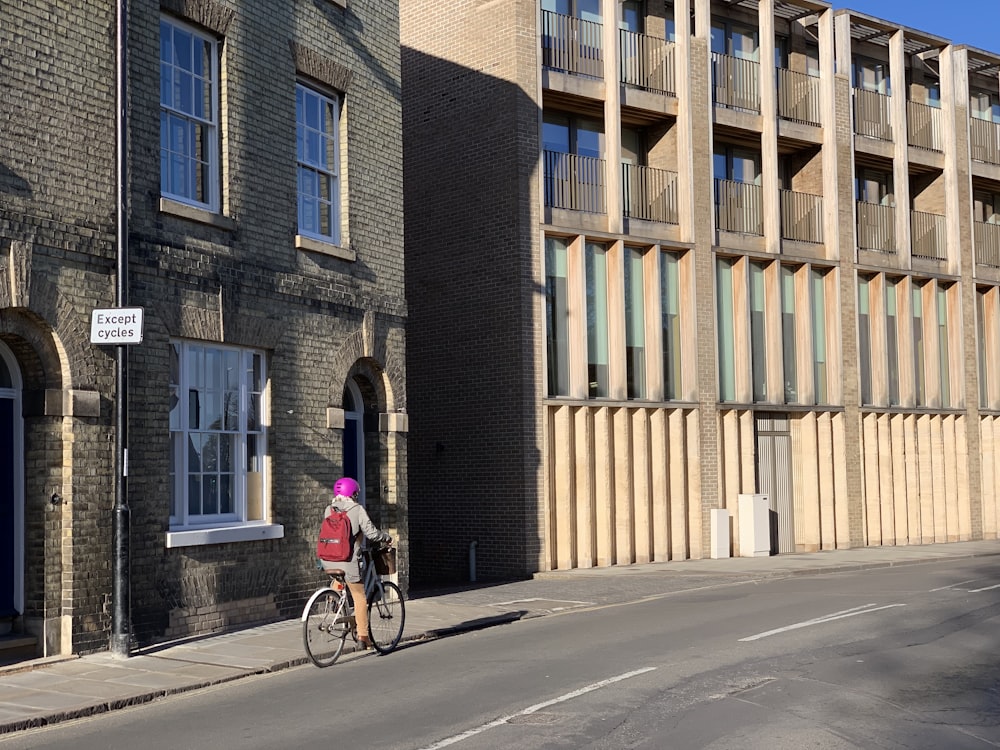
(807, 467)
(729, 471)
(991, 474)
(748, 450)
(641, 501)
(551, 490)
(677, 443)
(962, 462)
(826, 485)
(924, 470)
(586, 555)
(937, 482)
(624, 516)
(800, 487)
(886, 509)
(659, 486)
(898, 462)
(911, 472)
(604, 495)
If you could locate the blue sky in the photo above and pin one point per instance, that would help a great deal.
(972, 22)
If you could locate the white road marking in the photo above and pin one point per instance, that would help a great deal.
(953, 585)
(537, 707)
(986, 588)
(864, 609)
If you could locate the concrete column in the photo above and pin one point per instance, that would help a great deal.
(686, 109)
(769, 134)
(900, 139)
(611, 13)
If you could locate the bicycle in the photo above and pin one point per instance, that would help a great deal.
(328, 617)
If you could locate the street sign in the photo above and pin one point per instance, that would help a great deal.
(116, 325)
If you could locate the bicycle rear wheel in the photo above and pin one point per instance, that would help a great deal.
(324, 629)
(386, 615)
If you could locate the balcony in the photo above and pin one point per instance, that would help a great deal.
(738, 207)
(987, 243)
(923, 126)
(801, 217)
(985, 140)
(649, 194)
(927, 235)
(575, 182)
(735, 83)
(871, 115)
(647, 62)
(876, 227)
(572, 45)
(798, 97)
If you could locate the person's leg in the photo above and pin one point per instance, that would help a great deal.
(360, 611)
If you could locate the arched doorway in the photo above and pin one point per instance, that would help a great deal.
(11, 487)
(354, 436)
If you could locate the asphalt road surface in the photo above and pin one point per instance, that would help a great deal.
(902, 657)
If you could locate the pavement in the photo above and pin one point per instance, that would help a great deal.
(43, 692)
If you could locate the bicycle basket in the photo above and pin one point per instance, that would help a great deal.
(385, 561)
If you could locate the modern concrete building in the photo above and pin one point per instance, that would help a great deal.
(265, 245)
(664, 253)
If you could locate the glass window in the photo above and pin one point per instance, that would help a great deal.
(871, 75)
(788, 347)
(596, 260)
(758, 332)
(671, 324)
(189, 140)
(944, 348)
(727, 339)
(985, 106)
(981, 348)
(865, 339)
(892, 342)
(218, 434)
(317, 121)
(919, 376)
(635, 327)
(820, 375)
(557, 316)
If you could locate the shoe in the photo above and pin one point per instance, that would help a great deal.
(363, 643)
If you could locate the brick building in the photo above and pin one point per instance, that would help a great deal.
(266, 248)
(661, 254)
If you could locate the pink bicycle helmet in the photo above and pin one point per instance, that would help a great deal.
(346, 487)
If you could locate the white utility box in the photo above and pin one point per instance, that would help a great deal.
(755, 528)
(720, 533)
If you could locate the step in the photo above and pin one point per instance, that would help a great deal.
(17, 647)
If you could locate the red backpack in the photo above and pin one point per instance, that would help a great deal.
(336, 542)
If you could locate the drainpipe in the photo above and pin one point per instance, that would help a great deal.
(472, 560)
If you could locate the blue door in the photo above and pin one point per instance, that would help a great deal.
(8, 542)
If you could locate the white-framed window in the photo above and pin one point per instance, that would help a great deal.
(218, 435)
(189, 115)
(317, 126)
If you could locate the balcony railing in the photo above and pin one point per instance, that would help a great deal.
(798, 96)
(738, 207)
(801, 216)
(575, 182)
(987, 243)
(927, 235)
(923, 124)
(649, 193)
(647, 62)
(735, 82)
(985, 140)
(572, 45)
(871, 115)
(876, 227)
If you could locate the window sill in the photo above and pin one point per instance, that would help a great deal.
(341, 3)
(192, 213)
(199, 537)
(326, 248)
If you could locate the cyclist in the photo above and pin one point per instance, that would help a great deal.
(345, 495)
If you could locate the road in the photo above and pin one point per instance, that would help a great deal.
(900, 657)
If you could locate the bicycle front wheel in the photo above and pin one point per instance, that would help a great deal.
(386, 615)
(324, 629)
